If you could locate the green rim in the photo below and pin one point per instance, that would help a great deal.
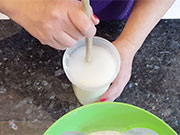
(84, 115)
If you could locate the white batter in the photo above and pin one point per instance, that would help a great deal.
(106, 133)
(135, 131)
(94, 74)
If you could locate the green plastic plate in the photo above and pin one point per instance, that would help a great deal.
(108, 116)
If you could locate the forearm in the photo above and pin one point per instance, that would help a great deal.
(3, 6)
(9, 7)
(145, 15)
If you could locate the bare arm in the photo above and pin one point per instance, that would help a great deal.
(144, 17)
(58, 23)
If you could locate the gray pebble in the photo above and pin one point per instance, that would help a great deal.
(5, 59)
(167, 112)
(59, 72)
(28, 111)
(13, 125)
(148, 66)
(44, 83)
(164, 52)
(65, 85)
(28, 82)
(176, 123)
(52, 97)
(136, 84)
(130, 85)
(156, 67)
(2, 90)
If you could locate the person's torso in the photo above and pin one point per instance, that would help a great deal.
(112, 9)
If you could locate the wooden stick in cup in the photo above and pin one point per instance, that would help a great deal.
(87, 10)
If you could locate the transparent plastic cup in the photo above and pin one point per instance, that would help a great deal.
(89, 94)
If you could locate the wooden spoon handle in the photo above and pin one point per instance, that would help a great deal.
(88, 12)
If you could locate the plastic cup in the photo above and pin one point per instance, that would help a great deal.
(89, 94)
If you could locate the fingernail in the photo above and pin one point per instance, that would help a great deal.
(103, 100)
(95, 16)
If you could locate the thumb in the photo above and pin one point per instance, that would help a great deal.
(113, 92)
(117, 86)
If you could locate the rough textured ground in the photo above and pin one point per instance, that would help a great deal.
(34, 91)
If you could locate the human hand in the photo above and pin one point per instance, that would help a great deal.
(127, 53)
(58, 23)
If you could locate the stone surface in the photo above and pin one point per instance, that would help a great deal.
(34, 91)
(8, 28)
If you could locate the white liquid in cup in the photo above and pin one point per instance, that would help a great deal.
(96, 73)
(91, 80)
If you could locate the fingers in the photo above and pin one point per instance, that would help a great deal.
(113, 93)
(53, 43)
(118, 85)
(58, 39)
(57, 45)
(82, 23)
(64, 40)
(61, 39)
(66, 28)
(71, 30)
(95, 19)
